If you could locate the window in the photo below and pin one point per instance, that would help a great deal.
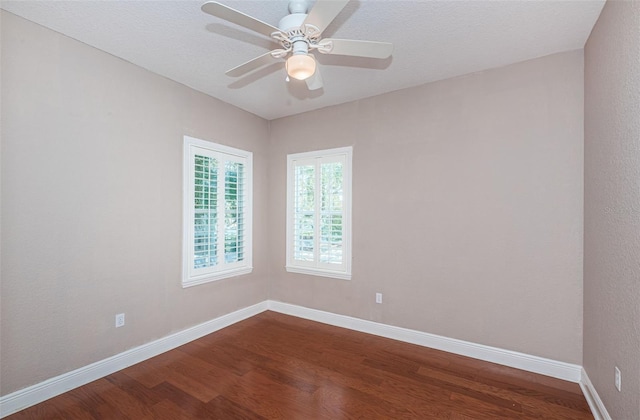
(217, 212)
(319, 213)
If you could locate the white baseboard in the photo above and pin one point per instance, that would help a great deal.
(598, 409)
(548, 367)
(42, 391)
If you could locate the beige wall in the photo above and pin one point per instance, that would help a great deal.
(467, 207)
(91, 215)
(612, 207)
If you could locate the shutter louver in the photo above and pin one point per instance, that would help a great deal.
(331, 214)
(205, 212)
(234, 212)
(304, 218)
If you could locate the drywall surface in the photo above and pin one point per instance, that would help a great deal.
(92, 204)
(612, 207)
(467, 207)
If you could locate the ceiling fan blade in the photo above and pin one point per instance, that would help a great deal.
(323, 13)
(315, 81)
(232, 15)
(370, 49)
(251, 65)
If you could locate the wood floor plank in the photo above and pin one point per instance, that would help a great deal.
(273, 366)
(167, 410)
(519, 396)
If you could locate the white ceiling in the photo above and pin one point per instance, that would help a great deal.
(433, 40)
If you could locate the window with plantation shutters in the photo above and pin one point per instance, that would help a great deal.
(319, 213)
(217, 212)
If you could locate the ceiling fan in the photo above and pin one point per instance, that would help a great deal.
(298, 34)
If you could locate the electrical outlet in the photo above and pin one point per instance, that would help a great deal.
(119, 320)
(618, 379)
(378, 297)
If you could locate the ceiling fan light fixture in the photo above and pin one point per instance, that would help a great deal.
(300, 66)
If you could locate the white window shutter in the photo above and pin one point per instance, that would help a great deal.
(217, 212)
(319, 213)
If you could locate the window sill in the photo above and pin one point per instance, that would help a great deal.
(216, 276)
(319, 272)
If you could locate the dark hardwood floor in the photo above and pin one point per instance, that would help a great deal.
(274, 366)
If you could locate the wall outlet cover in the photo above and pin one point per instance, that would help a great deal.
(119, 320)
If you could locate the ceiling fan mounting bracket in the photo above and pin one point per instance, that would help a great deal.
(325, 47)
(280, 53)
(298, 6)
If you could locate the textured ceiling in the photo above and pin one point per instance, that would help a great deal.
(433, 40)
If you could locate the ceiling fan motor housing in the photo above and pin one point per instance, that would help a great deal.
(292, 22)
(298, 36)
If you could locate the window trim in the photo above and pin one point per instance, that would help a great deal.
(292, 267)
(187, 208)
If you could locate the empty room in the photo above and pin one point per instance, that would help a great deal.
(320, 209)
